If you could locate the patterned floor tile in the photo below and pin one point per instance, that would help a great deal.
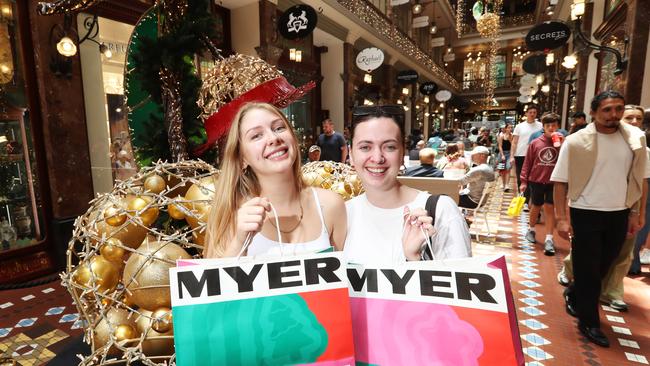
(55, 311)
(5, 331)
(628, 343)
(26, 322)
(531, 301)
(69, 318)
(621, 330)
(615, 319)
(532, 311)
(636, 358)
(537, 353)
(533, 324)
(530, 284)
(27, 298)
(47, 290)
(530, 293)
(6, 305)
(535, 339)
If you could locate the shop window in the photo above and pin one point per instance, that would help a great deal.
(21, 213)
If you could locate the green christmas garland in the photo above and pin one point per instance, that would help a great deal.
(149, 52)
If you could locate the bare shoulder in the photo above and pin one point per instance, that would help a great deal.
(329, 199)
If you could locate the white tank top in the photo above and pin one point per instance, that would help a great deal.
(263, 245)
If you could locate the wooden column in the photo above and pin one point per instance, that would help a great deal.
(348, 82)
(583, 59)
(638, 14)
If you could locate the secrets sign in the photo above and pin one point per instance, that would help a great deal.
(548, 36)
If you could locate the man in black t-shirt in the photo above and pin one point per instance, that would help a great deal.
(332, 144)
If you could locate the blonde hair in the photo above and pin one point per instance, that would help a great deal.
(236, 184)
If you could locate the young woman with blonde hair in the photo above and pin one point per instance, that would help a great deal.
(260, 181)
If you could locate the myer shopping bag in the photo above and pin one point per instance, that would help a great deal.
(445, 313)
(516, 205)
(290, 310)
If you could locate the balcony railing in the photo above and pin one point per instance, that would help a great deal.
(504, 83)
(510, 21)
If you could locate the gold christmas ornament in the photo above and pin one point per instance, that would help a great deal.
(109, 324)
(162, 320)
(155, 343)
(113, 251)
(124, 332)
(114, 216)
(110, 294)
(146, 274)
(154, 184)
(97, 272)
(199, 198)
(488, 25)
(141, 206)
(337, 177)
(175, 211)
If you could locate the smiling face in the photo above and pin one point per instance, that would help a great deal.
(267, 143)
(377, 153)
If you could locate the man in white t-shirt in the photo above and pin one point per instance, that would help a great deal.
(601, 170)
(520, 140)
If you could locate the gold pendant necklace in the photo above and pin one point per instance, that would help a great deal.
(272, 221)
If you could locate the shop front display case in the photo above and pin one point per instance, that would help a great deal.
(22, 238)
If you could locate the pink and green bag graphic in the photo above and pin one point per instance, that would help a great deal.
(271, 311)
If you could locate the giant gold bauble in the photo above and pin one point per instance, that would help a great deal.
(200, 196)
(138, 204)
(339, 187)
(155, 184)
(114, 317)
(113, 217)
(104, 274)
(146, 274)
(112, 251)
(155, 343)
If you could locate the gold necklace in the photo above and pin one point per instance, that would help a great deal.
(271, 220)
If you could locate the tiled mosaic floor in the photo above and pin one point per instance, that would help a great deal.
(549, 335)
(37, 323)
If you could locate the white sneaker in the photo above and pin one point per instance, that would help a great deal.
(644, 256)
(562, 278)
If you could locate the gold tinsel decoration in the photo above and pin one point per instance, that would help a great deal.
(230, 78)
(489, 26)
(337, 177)
(64, 6)
(120, 254)
(460, 17)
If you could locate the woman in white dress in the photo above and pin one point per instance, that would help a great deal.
(260, 182)
(388, 223)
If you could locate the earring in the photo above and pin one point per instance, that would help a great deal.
(244, 169)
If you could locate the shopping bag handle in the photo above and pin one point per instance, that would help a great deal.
(249, 236)
(427, 240)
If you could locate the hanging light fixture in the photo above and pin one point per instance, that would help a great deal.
(367, 78)
(66, 47)
(433, 29)
(103, 49)
(405, 91)
(426, 99)
(292, 54)
(298, 56)
(550, 58)
(577, 9)
(539, 79)
(570, 62)
(417, 8)
(546, 88)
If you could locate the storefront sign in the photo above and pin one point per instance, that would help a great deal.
(421, 22)
(297, 22)
(407, 76)
(535, 64)
(437, 42)
(548, 36)
(428, 88)
(370, 59)
(449, 57)
(443, 95)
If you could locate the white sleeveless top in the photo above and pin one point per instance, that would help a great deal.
(263, 245)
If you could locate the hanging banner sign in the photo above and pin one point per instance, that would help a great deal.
(443, 95)
(407, 76)
(451, 312)
(548, 36)
(297, 22)
(449, 57)
(428, 88)
(370, 59)
(535, 64)
(437, 42)
(421, 22)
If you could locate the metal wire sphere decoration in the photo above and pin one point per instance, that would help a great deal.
(120, 253)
